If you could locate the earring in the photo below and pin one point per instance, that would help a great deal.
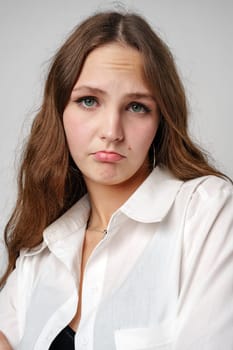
(154, 157)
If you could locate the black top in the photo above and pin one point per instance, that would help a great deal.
(64, 340)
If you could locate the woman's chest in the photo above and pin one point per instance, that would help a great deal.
(125, 294)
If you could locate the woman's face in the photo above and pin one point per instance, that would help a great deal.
(111, 118)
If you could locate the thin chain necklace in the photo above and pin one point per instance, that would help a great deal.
(104, 231)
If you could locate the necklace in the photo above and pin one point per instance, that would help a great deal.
(104, 231)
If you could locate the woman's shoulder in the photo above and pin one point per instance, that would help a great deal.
(209, 186)
(210, 204)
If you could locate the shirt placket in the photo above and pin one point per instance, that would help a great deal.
(92, 288)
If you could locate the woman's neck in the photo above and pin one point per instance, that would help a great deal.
(106, 199)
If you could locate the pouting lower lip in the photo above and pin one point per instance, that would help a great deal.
(108, 156)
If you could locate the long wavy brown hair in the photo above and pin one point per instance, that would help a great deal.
(48, 183)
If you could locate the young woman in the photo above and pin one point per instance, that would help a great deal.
(122, 235)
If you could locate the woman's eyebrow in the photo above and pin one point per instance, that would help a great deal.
(141, 95)
(89, 88)
(133, 95)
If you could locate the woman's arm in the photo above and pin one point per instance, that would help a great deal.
(4, 344)
(205, 314)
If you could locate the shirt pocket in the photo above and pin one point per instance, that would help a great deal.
(159, 337)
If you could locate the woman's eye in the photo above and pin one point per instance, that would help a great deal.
(87, 102)
(138, 108)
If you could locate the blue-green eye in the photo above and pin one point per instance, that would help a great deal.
(87, 102)
(138, 108)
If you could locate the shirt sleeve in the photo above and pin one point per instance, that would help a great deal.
(205, 309)
(9, 309)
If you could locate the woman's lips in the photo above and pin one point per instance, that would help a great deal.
(104, 156)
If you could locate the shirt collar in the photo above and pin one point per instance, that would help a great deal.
(153, 198)
(70, 222)
(149, 203)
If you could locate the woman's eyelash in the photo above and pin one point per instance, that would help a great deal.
(138, 107)
(87, 101)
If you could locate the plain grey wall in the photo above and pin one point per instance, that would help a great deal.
(199, 34)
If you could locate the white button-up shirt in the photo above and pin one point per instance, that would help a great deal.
(162, 277)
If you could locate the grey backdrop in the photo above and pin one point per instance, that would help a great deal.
(199, 34)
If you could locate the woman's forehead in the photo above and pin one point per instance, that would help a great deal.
(115, 55)
(114, 61)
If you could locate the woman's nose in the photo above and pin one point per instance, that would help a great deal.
(112, 128)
